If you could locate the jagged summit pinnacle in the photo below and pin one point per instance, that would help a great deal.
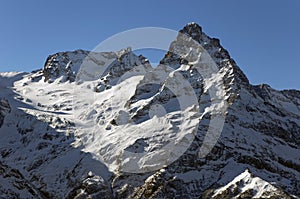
(66, 65)
(192, 29)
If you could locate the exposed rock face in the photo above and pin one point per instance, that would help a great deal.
(246, 186)
(63, 64)
(4, 109)
(80, 64)
(92, 187)
(58, 158)
(11, 179)
(256, 129)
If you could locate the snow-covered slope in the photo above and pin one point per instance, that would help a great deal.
(108, 125)
(247, 186)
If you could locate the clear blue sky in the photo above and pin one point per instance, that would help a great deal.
(262, 36)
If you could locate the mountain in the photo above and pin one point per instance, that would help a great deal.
(109, 125)
(247, 186)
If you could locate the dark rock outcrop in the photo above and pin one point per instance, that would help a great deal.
(4, 109)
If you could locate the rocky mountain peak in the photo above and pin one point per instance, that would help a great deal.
(65, 66)
(192, 29)
(105, 137)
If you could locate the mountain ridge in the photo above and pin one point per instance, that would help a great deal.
(261, 130)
